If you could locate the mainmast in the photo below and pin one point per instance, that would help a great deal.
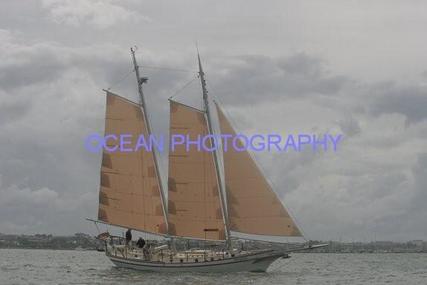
(215, 153)
(140, 81)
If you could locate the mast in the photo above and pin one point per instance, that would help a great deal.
(140, 81)
(210, 129)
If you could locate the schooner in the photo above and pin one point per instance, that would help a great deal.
(205, 201)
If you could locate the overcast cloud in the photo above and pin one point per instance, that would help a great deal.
(351, 67)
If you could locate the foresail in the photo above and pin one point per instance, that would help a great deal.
(194, 205)
(129, 192)
(253, 207)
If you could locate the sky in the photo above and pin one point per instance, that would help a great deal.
(351, 67)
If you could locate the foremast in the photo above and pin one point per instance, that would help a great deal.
(141, 80)
(215, 154)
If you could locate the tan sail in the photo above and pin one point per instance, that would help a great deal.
(194, 205)
(253, 207)
(129, 192)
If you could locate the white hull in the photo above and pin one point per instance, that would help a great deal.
(257, 262)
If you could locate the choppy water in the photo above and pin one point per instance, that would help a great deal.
(18, 266)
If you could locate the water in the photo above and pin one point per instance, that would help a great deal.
(19, 266)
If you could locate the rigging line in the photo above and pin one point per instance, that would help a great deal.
(120, 81)
(168, 68)
(183, 87)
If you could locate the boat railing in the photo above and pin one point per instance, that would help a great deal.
(116, 246)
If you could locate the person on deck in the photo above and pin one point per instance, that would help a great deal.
(128, 236)
(140, 243)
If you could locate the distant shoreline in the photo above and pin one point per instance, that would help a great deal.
(308, 252)
(86, 242)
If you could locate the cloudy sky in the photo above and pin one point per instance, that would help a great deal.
(352, 67)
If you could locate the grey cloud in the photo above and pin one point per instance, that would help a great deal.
(349, 126)
(262, 78)
(99, 14)
(13, 110)
(413, 216)
(420, 176)
(410, 101)
(38, 210)
(303, 64)
(41, 67)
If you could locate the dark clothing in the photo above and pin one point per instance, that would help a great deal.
(128, 236)
(140, 243)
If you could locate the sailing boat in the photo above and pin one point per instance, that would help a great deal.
(197, 207)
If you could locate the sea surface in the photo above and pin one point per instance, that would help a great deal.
(21, 266)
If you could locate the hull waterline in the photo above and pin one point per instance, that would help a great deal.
(254, 263)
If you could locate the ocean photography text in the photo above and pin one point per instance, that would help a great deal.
(209, 143)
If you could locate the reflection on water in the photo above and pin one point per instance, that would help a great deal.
(18, 266)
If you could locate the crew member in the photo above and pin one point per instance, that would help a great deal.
(140, 243)
(128, 236)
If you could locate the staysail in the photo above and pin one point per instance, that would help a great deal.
(129, 193)
(253, 207)
(194, 208)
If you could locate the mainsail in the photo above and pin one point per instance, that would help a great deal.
(194, 208)
(130, 189)
(253, 207)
